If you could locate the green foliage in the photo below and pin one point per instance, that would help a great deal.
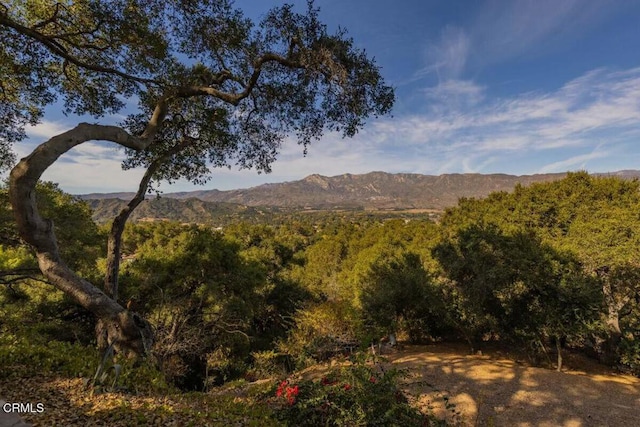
(34, 305)
(229, 410)
(143, 378)
(270, 363)
(213, 298)
(356, 395)
(25, 353)
(515, 286)
(322, 331)
(236, 88)
(587, 231)
(257, 300)
(80, 239)
(630, 353)
(398, 295)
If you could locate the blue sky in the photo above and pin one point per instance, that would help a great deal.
(518, 87)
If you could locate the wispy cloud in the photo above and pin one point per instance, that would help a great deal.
(447, 57)
(467, 133)
(506, 29)
(579, 161)
(89, 167)
(46, 129)
(93, 167)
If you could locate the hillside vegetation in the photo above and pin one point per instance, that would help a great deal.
(550, 270)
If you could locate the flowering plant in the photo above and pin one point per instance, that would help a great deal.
(360, 394)
(289, 393)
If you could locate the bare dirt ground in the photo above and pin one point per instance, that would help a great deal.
(493, 390)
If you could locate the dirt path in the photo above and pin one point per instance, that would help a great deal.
(496, 391)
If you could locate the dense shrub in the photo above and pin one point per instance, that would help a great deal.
(26, 353)
(321, 332)
(360, 394)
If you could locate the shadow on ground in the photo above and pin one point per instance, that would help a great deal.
(494, 391)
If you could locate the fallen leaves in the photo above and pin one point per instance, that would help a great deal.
(67, 402)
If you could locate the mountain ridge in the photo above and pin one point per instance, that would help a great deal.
(371, 191)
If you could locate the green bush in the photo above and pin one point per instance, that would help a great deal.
(321, 332)
(29, 355)
(269, 363)
(360, 394)
(630, 354)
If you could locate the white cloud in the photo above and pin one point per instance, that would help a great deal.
(93, 167)
(46, 129)
(580, 161)
(454, 94)
(473, 134)
(505, 29)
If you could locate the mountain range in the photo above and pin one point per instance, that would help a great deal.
(371, 191)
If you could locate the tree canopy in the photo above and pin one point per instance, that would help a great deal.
(201, 74)
(212, 89)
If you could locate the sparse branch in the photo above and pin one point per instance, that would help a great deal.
(50, 20)
(20, 278)
(114, 244)
(9, 277)
(65, 36)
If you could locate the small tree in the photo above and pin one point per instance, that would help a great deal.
(212, 88)
(398, 295)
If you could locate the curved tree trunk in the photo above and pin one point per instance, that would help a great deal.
(126, 330)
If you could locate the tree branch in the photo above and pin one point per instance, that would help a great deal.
(114, 243)
(235, 98)
(58, 49)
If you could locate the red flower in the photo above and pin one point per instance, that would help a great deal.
(347, 386)
(373, 379)
(281, 387)
(292, 392)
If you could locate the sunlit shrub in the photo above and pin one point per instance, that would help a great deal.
(321, 332)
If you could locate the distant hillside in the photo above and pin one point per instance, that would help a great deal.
(185, 210)
(372, 191)
(375, 190)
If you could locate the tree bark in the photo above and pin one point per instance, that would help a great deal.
(129, 332)
(614, 333)
(559, 351)
(114, 243)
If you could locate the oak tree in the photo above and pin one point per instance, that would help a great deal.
(212, 89)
